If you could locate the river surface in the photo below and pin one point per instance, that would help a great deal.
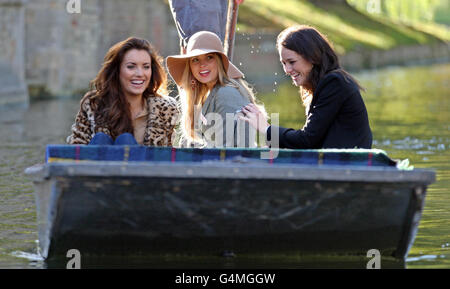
(409, 113)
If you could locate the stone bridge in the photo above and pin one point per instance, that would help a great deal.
(13, 89)
(56, 53)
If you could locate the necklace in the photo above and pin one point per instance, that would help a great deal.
(138, 113)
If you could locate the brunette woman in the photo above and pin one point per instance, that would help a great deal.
(336, 114)
(127, 103)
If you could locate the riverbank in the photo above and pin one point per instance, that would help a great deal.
(256, 55)
(362, 41)
(348, 28)
(50, 53)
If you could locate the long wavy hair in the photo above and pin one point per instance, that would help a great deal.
(194, 94)
(314, 47)
(108, 101)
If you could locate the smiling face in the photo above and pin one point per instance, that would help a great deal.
(135, 72)
(205, 69)
(295, 66)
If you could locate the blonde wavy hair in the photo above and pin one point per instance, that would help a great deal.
(193, 95)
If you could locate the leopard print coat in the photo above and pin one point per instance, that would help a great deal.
(162, 119)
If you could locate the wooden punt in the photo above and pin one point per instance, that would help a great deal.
(139, 201)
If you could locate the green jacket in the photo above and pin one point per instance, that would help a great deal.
(219, 117)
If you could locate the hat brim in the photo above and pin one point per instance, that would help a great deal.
(176, 64)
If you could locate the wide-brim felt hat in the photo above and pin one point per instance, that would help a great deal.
(200, 43)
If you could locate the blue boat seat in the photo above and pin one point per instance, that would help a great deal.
(352, 157)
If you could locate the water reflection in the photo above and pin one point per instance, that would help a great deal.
(409, 114)
(218, 262)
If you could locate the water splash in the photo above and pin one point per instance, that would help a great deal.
(27, 255)
(422, 146)
(420, 258)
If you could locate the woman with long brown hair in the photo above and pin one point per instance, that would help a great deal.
(127, 103)
(336, 114)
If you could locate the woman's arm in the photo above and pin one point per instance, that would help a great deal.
(164, 115)
(81, 129)
(329, 98)
(227, 101)
(327, 102)
(172, 118)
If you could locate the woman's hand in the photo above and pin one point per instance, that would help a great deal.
(252, 115)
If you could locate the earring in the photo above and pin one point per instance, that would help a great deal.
(193, 84)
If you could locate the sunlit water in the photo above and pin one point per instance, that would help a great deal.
(409, 114)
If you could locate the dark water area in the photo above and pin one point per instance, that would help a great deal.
(409, 113)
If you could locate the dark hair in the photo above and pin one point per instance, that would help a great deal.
(314, 47)
(108, 101)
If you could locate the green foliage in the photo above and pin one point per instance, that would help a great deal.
(406, 11)
(421, 15)
(442, 13)
(351, 27)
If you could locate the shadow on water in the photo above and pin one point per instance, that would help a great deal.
(230, 261)
(198, 262)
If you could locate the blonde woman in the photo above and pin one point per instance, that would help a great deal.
(212, 92)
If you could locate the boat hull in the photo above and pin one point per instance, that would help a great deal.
(124, 209)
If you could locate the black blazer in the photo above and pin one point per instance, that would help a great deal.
(337, 118)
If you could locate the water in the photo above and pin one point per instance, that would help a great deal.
(409, 114)
(410, 117)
